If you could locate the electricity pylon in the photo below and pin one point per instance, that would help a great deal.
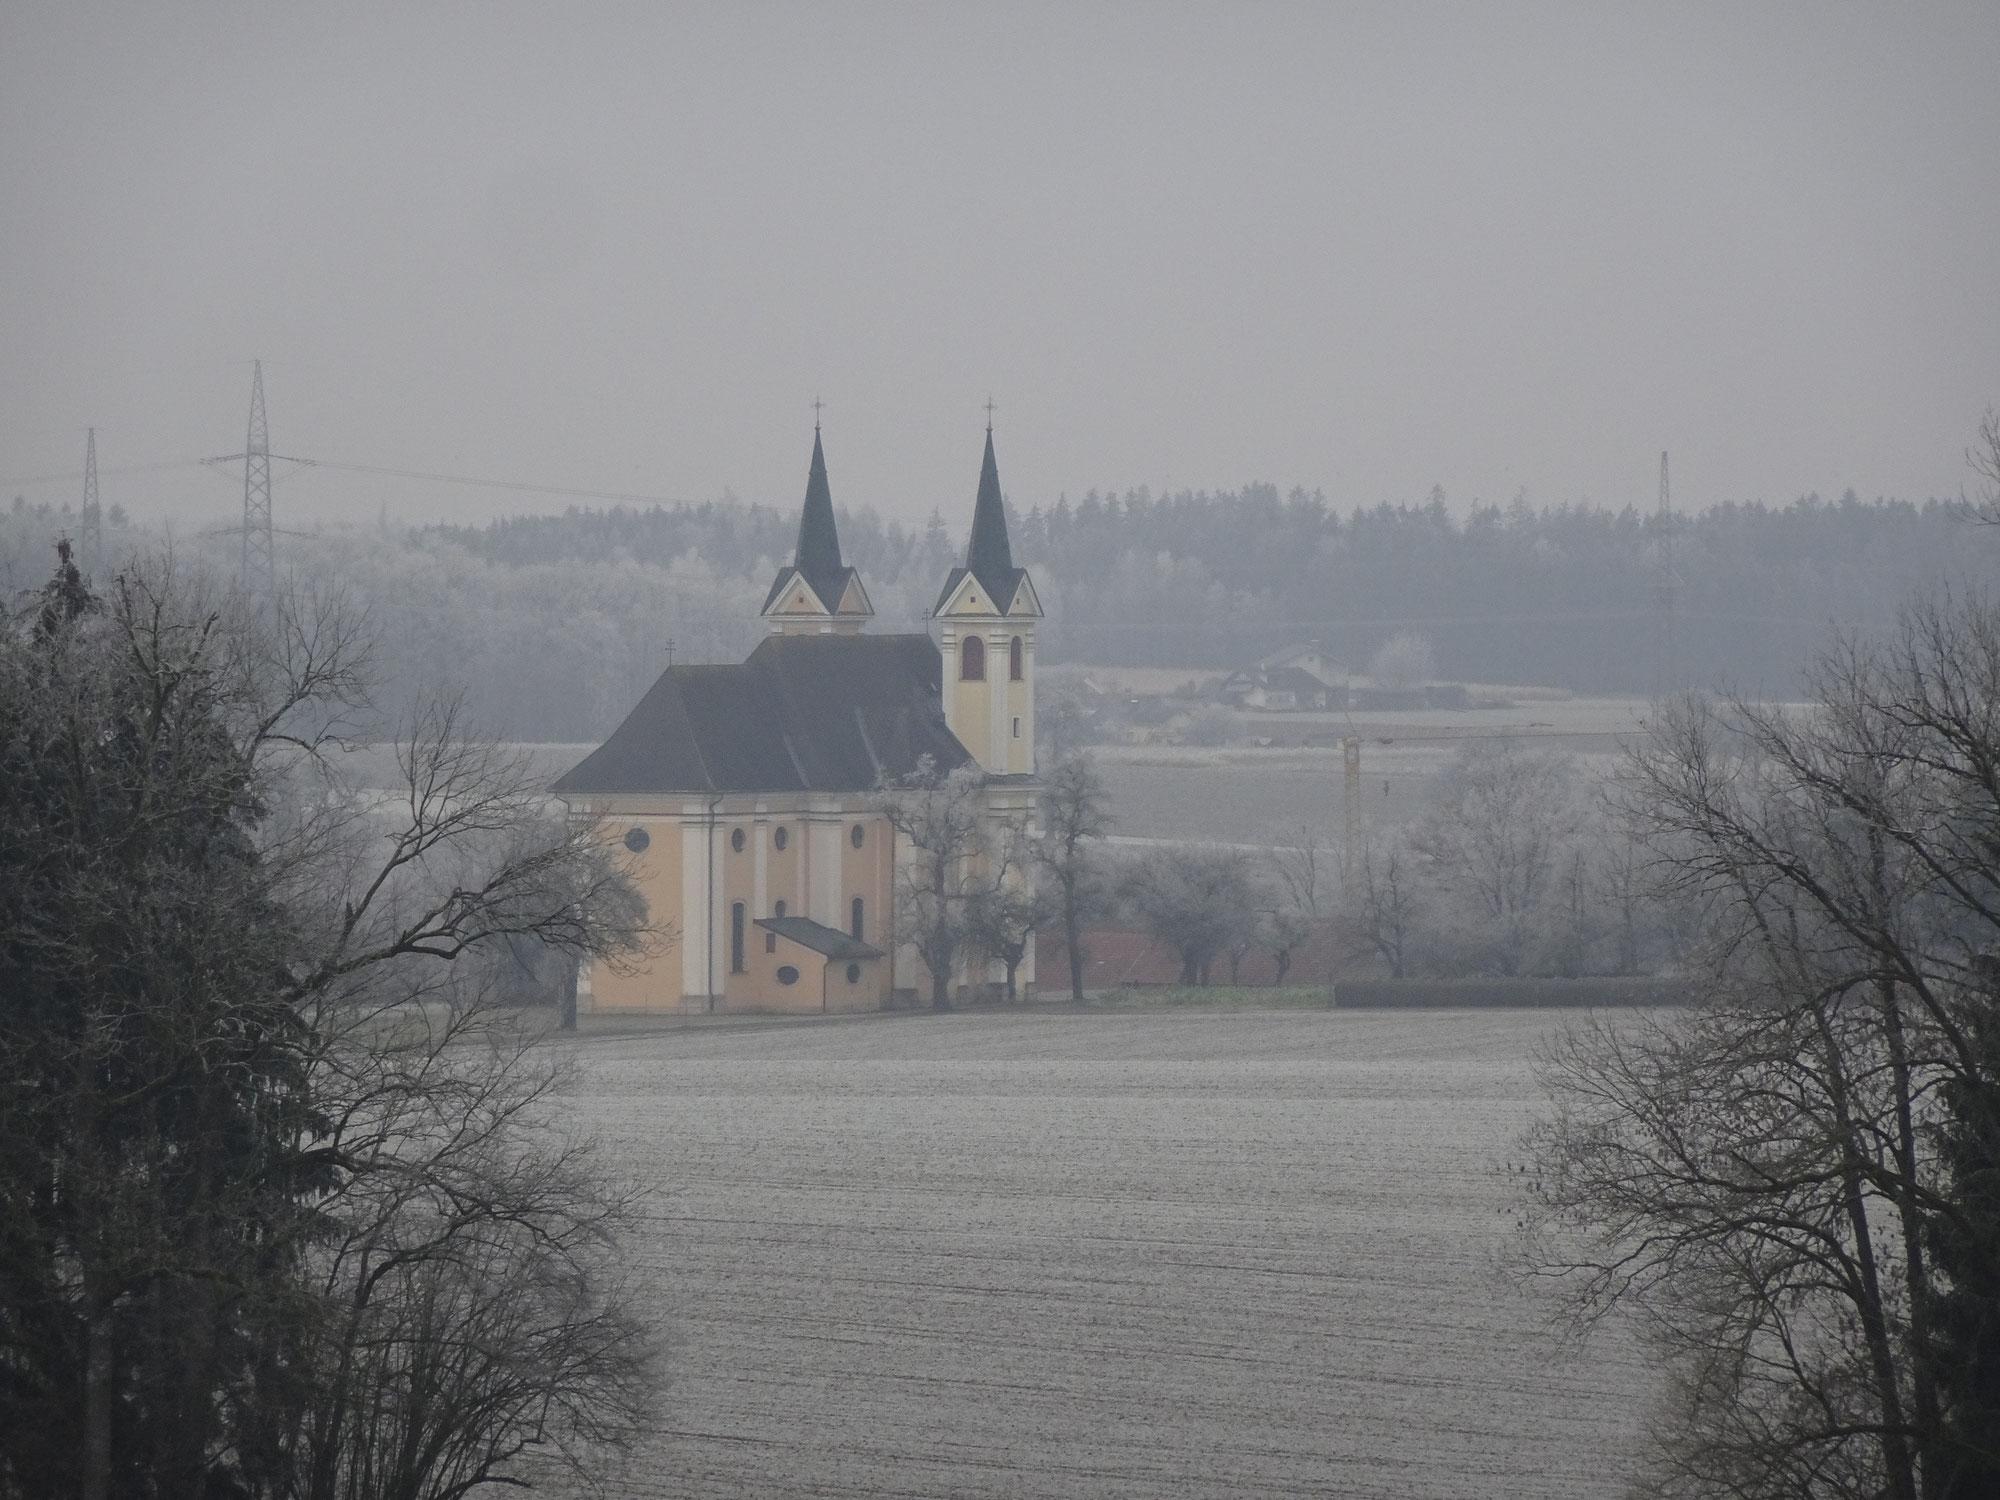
(90, 532)
(259, 561)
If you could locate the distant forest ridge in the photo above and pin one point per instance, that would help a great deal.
(1557, 595)
(554, 626)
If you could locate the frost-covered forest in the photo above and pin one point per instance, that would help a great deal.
(556, 623)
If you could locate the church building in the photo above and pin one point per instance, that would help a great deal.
(742, 792)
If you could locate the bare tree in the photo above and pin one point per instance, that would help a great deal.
(1196, 899)
(1297, 899)
(941, 818)
(1008, 907)
(1392, 903)
(1791, 1185)
(1075, 819)
(1491, 846)
(1984, 460)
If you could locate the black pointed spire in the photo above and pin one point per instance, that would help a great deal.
(989, 558)
(818, 554)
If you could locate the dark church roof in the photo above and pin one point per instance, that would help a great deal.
(830, 941)
(988, 556)
(817, 556)
(831, 713)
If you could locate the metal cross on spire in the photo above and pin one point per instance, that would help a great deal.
(990, 409)
(818, 405)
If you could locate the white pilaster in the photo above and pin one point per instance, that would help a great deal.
(1001, 726)
(823, 840)
(695, 933)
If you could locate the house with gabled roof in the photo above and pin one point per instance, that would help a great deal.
(1297, 678)
(741, 793)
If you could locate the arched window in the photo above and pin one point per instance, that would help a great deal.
(855, 924)
(972, 659)
(1014, 660)
(736, 937)
(778, 910)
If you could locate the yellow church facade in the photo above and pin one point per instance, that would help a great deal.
(743, 794)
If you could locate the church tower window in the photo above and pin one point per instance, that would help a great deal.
(1014, 660)
(736, 937)
(856, 924)
(972, 659)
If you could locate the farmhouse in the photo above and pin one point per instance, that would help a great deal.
(1298, 678)
(742, 793)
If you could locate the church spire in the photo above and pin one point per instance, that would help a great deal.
(818, 554)
(818, 592)
(989, 558)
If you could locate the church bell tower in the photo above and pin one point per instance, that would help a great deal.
(986, 619)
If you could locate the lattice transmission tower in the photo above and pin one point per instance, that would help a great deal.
(90, 530)
(1666, 587)
(260, 565)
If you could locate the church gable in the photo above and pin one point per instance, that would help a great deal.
(1026, 601)
(794, 595)
(854, 598)
(964, 594)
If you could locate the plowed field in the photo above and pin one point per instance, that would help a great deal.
(1096, 1255)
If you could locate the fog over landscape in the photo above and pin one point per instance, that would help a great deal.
(1361, 249)
(1104, 751)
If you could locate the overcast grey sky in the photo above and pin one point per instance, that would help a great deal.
(1367, 249)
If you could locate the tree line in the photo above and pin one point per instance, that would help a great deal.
(555, 624)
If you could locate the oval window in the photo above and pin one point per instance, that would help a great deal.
(854, 973)
(787, 974)
(854, 835)
(781, 838)
(736, 839)
(636, 839)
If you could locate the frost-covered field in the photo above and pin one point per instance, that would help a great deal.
(1095, 1255)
